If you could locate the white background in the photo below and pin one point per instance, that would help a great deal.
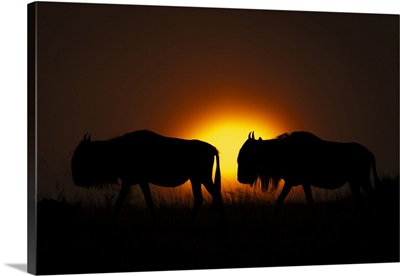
(13, 127)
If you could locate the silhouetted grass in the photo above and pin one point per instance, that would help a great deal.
(79, 238)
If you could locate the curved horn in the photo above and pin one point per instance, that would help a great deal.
(86, 137)
(249, 137)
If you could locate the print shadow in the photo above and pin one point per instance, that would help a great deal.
(20, 267)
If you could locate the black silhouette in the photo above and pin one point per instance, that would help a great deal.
(143, 157)
(301, 158)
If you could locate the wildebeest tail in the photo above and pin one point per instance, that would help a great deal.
(217, 177)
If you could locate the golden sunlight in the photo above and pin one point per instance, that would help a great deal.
(228, 133)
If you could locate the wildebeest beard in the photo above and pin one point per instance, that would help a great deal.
(257, 164)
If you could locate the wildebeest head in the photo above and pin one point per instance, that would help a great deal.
(257, 161)
(88, 164)
(95, 163)
(248, 167)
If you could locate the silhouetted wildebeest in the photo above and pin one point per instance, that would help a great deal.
(143, 157)
(301, 158)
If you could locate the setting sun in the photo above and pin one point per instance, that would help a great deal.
(227, 132)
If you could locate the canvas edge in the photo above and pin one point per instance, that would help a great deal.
(32, 122)
(32, 150)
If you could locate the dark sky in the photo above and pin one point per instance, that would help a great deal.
(112, 69)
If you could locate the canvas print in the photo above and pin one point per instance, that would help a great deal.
(177, 138)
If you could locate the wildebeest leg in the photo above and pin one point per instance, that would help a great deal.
(121, 197)
(310, 201)
(213, 191)
(147, 197)
(198, 198)
(216, 195)
(356, 193)
(367, 187)
(285, 191)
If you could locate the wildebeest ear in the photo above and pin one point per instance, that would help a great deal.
(259, 139)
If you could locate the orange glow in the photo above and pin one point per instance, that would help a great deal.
(227, 130)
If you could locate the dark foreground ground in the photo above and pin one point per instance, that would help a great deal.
(77, 239)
